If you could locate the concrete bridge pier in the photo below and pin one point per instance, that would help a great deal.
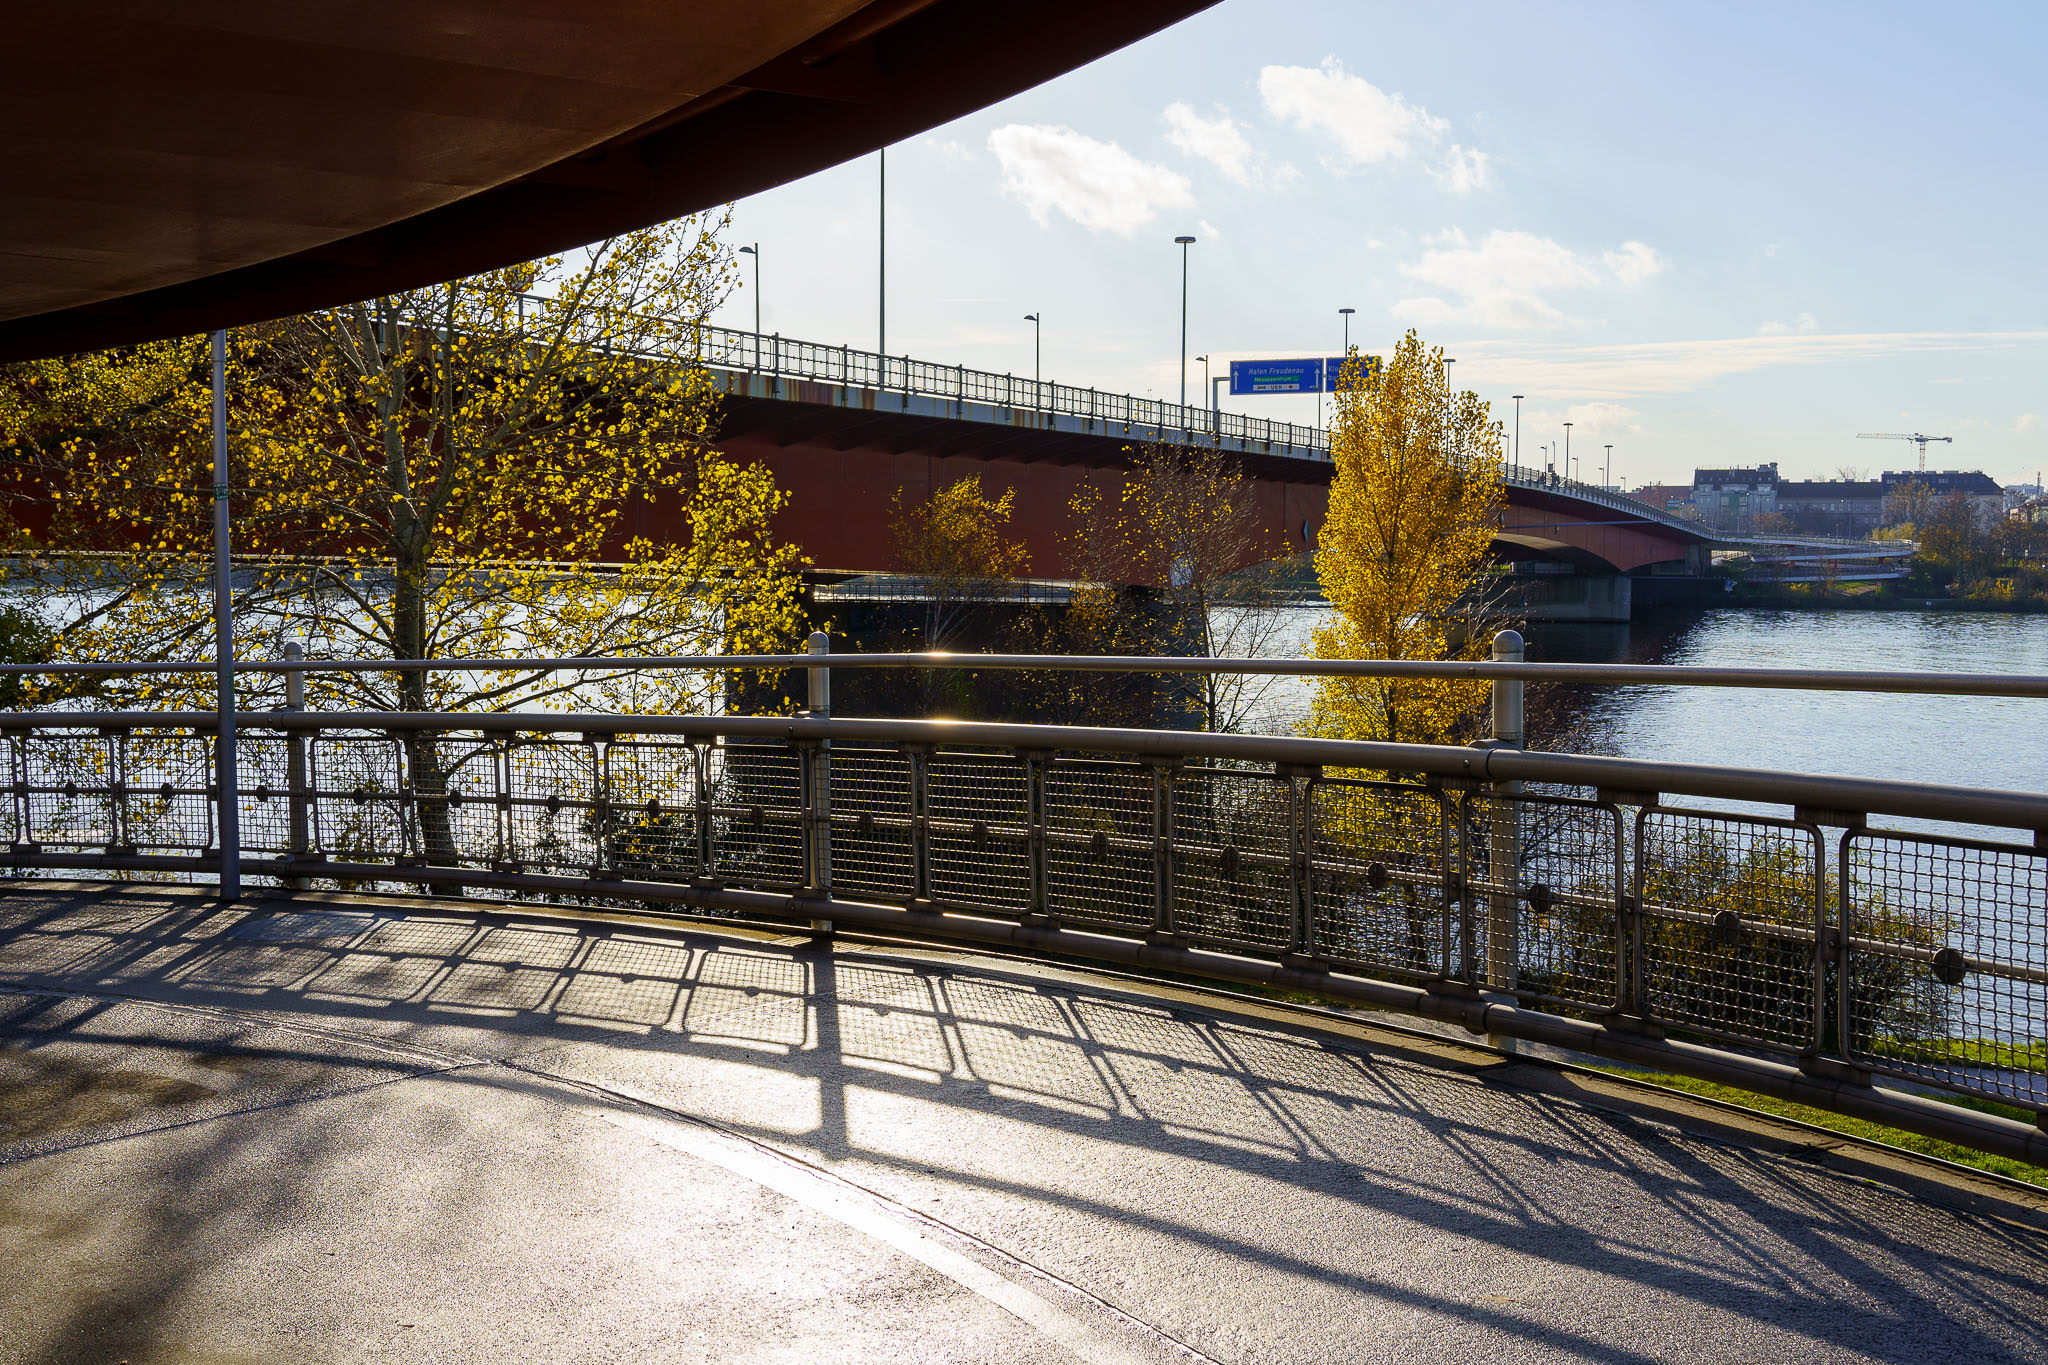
(1597, 598)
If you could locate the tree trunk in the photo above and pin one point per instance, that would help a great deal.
(422, 747)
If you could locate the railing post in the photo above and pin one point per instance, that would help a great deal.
(298, 802)
(1504, 845)
(1163, 773)
(821, 779)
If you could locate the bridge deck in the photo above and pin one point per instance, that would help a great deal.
(334, 1128)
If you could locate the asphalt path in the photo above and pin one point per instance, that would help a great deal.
(320, 1128)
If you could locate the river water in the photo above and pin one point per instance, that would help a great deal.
(1968, 741)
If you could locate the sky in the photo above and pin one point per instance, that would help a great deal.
(1703, 234)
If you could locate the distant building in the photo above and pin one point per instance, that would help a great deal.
(1732, 499)
(1846, 508)
(1675, 498)
(1911, 494)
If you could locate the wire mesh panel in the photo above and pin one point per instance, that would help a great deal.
(650, 829)
(552, 792)
(16, 796)
(359, 810)
(167, 776)
(978, 823)
(872, 852)
(1947, 962)
(1233, 856)
(1728, 926)
(1099, 865)
(263, 771)
(67, 790)
(757, 813)
(1377, 859)
(455, 785)
(1545, 876)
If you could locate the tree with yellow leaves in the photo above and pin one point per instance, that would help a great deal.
(444, 472)
(1183, 526)
(958, 542)
(1403, 554)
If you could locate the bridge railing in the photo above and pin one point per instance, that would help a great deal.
(773, 354)
(1790, 942)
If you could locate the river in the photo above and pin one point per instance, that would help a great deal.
(1968, 741)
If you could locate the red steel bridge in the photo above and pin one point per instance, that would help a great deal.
(845, 429)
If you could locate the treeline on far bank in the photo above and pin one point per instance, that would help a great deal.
(1962, 561)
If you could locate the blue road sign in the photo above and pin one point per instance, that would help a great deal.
(1275, 376)
(1292, 376)
(1333, 368)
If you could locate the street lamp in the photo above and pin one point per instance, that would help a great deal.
(1605, 474)
(755, 252)
(1330, 381)
(1037, 332)
(1518, 431)
(1185, 243)
(1567, 450)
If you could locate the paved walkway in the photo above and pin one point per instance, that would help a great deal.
(342, 1130)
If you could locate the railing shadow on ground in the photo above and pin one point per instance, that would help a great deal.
(1367, 1133)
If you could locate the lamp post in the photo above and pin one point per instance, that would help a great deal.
(1605, 473)
(1567, 450)
(1037, 334)
(755, 252)
(1518, 431)
(1185, 243)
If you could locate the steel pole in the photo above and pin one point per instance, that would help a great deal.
(226, 777)
(820, 699)
(882, 254)
(1504, 842)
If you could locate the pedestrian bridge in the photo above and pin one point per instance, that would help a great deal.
(850, 1038)
(334, 1127)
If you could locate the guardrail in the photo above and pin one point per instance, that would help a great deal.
(1801, 951)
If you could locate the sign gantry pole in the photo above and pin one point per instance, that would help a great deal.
(226, 776)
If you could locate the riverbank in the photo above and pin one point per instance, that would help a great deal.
(1868, 597)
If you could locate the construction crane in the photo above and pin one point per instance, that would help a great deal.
(1915, 437)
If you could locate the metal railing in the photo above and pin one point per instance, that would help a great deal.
(729, 348)
(1588, 903)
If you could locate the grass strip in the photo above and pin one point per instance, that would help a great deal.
(1861, 1128)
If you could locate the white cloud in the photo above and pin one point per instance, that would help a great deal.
(1619, 373)
(1364, 122)
(1590, 421)
(1217, 141)
(1501, 280)
(1635, 262)
(1206, 230)
(1097, 184)
(1805, 322)
(1365, 125)
(2026, 421)
(1464, 170)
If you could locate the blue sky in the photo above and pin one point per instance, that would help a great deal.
(1707, 234)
